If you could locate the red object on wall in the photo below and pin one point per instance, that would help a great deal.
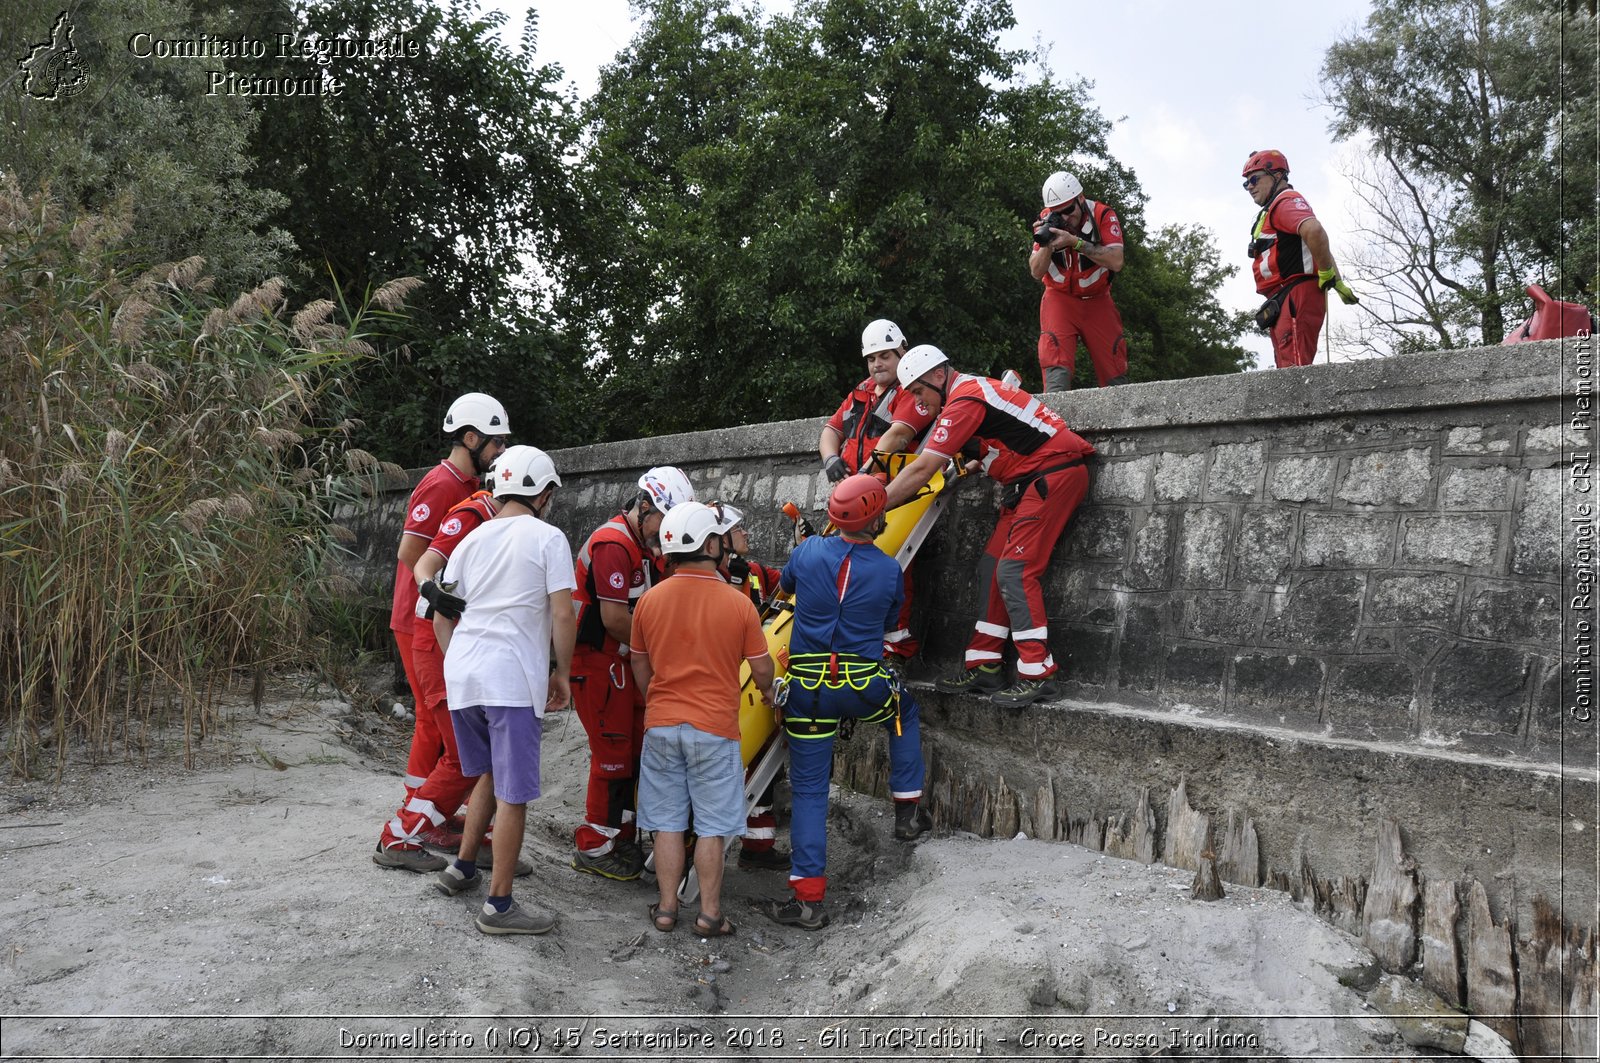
(1552, 319)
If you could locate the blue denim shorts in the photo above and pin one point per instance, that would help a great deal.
(502, 740)
(682, 768)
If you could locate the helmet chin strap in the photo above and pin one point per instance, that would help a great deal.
(477, 453)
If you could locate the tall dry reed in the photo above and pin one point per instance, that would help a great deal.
(169, 462)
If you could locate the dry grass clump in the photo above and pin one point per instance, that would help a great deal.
(168, 469)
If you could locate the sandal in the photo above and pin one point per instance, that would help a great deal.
(664, 921)
(719, 929)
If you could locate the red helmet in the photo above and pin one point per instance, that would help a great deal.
(1266, 159)
(857, 502)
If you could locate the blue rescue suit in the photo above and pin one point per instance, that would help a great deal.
(847, 595)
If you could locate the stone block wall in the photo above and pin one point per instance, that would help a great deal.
(1369, 551)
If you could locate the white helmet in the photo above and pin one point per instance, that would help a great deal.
(1061, 187)
(667, 487)
(479, 412)
(729, 516)
(523, 471)
(881, 335)
(919, 362)
(686, 529)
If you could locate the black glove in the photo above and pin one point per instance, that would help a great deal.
(835, 468)
(442, 601)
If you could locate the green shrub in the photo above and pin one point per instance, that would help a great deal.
(168, 467)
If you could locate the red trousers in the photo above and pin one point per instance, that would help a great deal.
(1063, 318)
(427, 745)
(442, 792)
(608, 703)
(1294, 334)
(899, 641)
(1014, 560)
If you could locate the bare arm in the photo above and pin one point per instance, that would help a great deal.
(642, 672)
(427, 566)
(1316, 240)
(762, 673)
(617, 620)
(563, 636)
(412, 547)
(443, 628)
(896, 439)
(828, 442)
(914, 477)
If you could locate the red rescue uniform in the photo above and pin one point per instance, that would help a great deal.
(1077, 302)
(1029, 448)
(1284, 261)
(442, 793)
(612, 566)
(442, 487)
(864, 416)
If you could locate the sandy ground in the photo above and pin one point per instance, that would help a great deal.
(233, 911)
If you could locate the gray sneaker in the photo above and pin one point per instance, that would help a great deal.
(616, 864)
(485, 862)
(515, 920)
(409, 859)
(1025, 692)
(984, 679)
(807, 915)
(451, 882)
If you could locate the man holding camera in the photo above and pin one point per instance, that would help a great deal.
(1077, 253)
(1289, 247)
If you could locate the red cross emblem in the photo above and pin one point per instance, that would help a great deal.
(506, 475)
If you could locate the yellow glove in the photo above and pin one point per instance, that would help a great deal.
(1329, 278)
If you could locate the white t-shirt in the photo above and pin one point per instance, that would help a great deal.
(499, 654)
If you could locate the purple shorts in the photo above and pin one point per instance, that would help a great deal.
(502, 741)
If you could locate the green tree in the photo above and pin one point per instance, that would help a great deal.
(1473, 107)
(140, 132)
(447, 165)
(757, 189)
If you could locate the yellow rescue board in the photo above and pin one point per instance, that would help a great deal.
(907, 526)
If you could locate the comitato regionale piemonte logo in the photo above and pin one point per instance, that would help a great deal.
(52, 69)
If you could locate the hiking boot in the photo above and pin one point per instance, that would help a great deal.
(984, 679)
(485, 862)
(616, 865)
(911, 821)
(451, 882)
(1025, 692)
(807, 915)
(441, 837)
(773, 859)
(516, 920)
(409, 858)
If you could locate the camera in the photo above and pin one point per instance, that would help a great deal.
(1055, 220)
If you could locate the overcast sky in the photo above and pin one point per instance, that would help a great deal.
(1193, 88)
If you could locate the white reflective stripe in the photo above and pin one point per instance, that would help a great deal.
(398, 828)
(1084, 282)
(759, 810)
(757, 834)
(1041, 668)
(898, 635)
(982, 655)
(627, 818)
(427, 808)
(415, 781)
(1026, 411)
(986, 628)
(906, 795)
(606, 832)
(1036, 633)
(1055, 274)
